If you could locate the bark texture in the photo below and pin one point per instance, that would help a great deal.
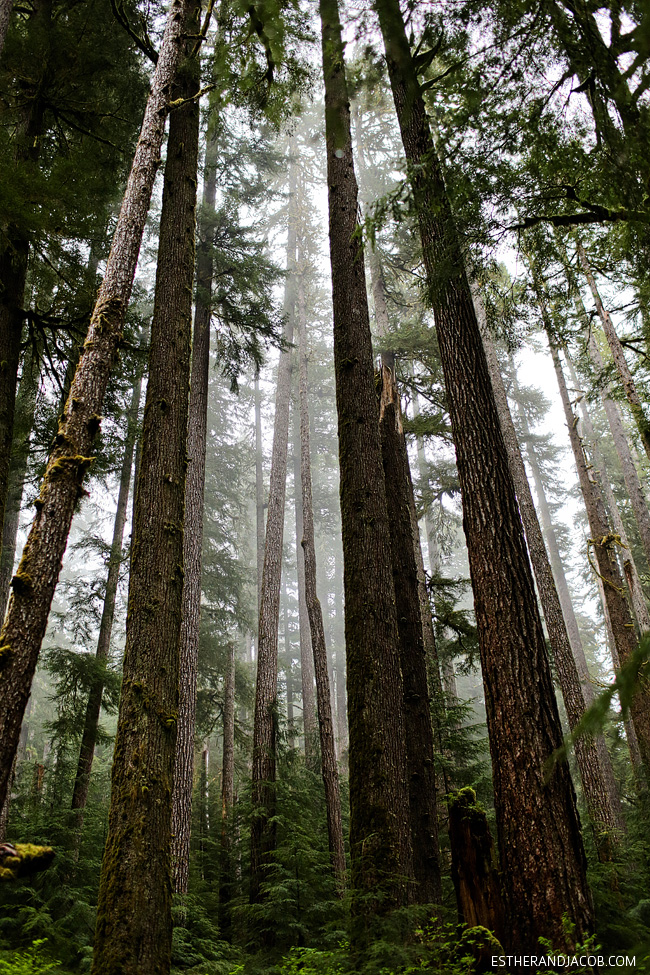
(618, 355)
(307, 673)
(227, 796)
(94, 703)
(540, 845)
(35, 581)
(134, 923)
(380, 842)
(593, 761)
(193, 528)
(263, 829)
(603, 545)
(6, 6)
(329, 768)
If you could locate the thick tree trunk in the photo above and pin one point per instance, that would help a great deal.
(193, 529)
(329, 767)
(602, 543)
(263, 829)
(618, 355)
(94, 703)
(25, 410)
(540, 845)
(134, 923)
(593, 761)
(380, 842)
(35, 581)
(309, 719)
(341, 684)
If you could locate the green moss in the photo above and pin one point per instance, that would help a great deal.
(22, 583)
(24, 860)
(75, 464)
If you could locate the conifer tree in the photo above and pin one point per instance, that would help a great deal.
(513, 652)
(34, 583)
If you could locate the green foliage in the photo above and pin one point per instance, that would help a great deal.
(31, 961)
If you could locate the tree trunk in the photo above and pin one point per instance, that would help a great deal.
(134, 922)
(592, 757)
(193, 530)
(602, 543)
(35, 581)
(541, 850)
(310, 722)
(263, 828)
(618, 355)
(329, 768)
(94, 703)
(25, 410)
(288, 666)
(341, 684)
(380, 842)
(417, 709)
(6, 6)
(259, 488)
(227, 793)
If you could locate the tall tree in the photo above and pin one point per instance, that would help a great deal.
(133, 931)
(35, 581)
(329, 768)
(380, 842)
(540, 846)
(263, 826)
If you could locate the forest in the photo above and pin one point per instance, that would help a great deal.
(324, 480)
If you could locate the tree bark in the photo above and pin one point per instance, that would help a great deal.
(288, 666)
(602, 543)
(380, 842)
(25, 410)
(94, 703)
(593, 760)
(6, 6)
(329, 768)
(35, 581)
(263, 829)
(193, 528)
(341, 684)
(618, 355)
(309, 719)
(542, 856)
(134, 922)
(259, 488)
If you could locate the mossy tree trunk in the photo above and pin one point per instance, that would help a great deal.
(94, 703)
(193, 526)
(263, 827)
(227, 796)
(35, 581)
(134, 923)
(329, 768)
(380, 841)
(540, 845)
(6, 6)
(341, 685)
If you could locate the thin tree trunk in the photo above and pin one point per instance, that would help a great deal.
(417, 709)
(35, 581)
(380, 842)
(309, 719)
(329, 767)
(227, 794)
(25, 410)
(193, 530)
(94, 703)
(288, 665)
(618, 355)
(263, 828)
(134, 924)
(341, 686)
(542, 856)
(592, 757)
(602, 543)
(259, 488)
(639, 607)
